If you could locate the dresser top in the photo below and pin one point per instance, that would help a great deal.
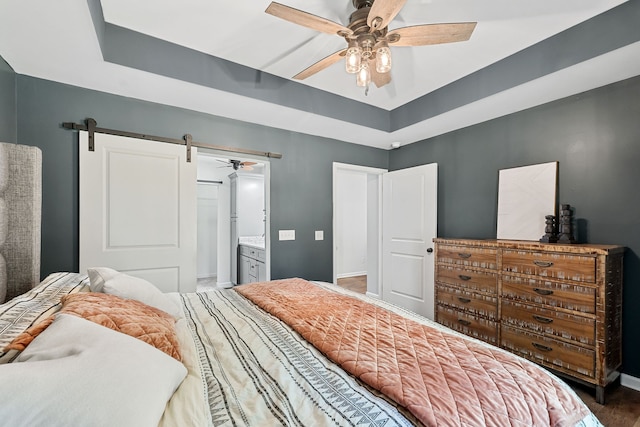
(532, 245)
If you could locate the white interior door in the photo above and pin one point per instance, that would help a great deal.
(409, 224)
(138, 210)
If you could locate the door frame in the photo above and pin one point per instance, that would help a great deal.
(267, 198)
(372, 235)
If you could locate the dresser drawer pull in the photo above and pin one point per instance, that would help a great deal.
(541, 347)
(464, 255)
(463, 277)
(542, 319)
(464, 322)
(542, 291)
(464, 300)
(543, 263)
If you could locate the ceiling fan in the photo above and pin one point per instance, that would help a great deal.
(368, 37)
(238, 164)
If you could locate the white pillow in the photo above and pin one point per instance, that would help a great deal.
(110, 281)
(78, 373)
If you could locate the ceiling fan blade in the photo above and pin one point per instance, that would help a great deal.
(379, 79)
(382, 12)
(421, 35)
(307, 19)
(247, 163)
(320, 65)
(247, 168)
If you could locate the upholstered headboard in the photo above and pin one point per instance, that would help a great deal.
(20, 212)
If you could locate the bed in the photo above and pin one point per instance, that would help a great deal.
(241, 364)
(102, 348)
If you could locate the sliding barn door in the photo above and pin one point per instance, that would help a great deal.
(409, 224)
(138, 210)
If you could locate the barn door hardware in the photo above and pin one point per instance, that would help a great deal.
(187, 141)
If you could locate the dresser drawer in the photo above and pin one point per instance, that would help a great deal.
(472, 280)
(581, 330)
(483, 329)
(563, 295)
(549, 352)
(480, 304)
(580, 268)
(252, 252)
(467, 256)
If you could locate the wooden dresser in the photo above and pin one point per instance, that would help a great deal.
(557, 305)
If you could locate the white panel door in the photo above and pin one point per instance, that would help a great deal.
(138, 210)
(409, 224)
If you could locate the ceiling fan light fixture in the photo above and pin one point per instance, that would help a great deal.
(353, 57)
(363, 78)
(383, 58)
(368, 37)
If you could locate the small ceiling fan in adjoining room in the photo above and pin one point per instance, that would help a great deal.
(368, 37)
(238, 164)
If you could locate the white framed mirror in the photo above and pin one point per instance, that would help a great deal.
(525, 196)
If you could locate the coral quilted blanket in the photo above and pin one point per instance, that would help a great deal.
(443, 378)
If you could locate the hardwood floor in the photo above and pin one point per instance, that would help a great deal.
(622, 407)
(355, 283)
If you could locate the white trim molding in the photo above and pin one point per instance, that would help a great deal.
(352, 274)
(630, 382)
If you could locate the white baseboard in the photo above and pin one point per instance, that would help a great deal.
(353, 274)
(630, 382)
(372, 295)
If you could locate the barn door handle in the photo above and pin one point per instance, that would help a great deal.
(542, 319)
(541, 347)
(429, 250)
(464, 255)
(543, 263)
(464, 300)
(542, 291)
(464, 322)
(463, 277)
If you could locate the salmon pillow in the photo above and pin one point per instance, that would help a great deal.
(131, 317)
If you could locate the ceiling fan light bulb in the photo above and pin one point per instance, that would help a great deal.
(363, 78)
(383, 59)
(353, 58)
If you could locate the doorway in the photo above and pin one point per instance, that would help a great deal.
(356, 225)
(401, 222)
(215, 229)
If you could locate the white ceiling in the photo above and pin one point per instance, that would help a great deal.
(57, 41)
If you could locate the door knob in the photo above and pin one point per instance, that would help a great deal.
(429, 250)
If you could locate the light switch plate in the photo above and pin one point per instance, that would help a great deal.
(319, 235)
(287, 234)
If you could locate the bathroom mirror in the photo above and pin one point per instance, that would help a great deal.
(525, 196)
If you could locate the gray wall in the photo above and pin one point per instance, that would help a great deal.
(595, 137)
(300, 181)
(8, 117)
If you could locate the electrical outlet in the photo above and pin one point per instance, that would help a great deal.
(319, 235)
(287, 234)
